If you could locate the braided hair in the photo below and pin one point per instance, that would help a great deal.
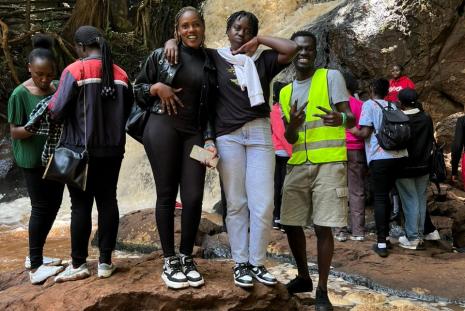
(42, 48)
(253, 20)
(90, 36)
(180, 14)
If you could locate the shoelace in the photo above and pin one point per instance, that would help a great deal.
(189, 264)
(175, 265)
(242, 270)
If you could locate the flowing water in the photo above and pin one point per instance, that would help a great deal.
(136, 187)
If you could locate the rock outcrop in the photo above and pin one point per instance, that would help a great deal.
(137, 285)
(453, 209)
(426, 37)
(137, 231)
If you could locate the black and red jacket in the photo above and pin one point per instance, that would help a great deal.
(106, 118)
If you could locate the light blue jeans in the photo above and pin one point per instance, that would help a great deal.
(246, 169)
(412, 193)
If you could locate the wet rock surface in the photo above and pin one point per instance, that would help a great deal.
(137, 286)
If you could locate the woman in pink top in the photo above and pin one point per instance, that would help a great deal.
(283, 151)
(356, 170)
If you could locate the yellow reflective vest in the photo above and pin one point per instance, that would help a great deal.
(317, 143)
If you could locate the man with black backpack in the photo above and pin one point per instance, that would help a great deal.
(386, 131)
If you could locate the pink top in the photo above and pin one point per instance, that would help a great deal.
(354, 142)
(277, 130)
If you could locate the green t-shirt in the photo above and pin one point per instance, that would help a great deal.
(27, 152)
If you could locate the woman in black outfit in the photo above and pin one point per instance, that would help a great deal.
(169, 136)
(93, 100)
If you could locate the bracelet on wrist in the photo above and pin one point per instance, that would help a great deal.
(344, 119)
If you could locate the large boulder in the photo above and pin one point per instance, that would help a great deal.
(137, 285)
(445, 130)
(138, 232)
(367, 37)
(454, 209)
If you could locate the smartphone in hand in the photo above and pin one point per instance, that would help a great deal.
(201, 154)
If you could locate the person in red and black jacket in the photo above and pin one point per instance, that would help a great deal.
(93, 100)
(398, 82)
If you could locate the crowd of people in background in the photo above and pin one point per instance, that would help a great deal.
(303, 161)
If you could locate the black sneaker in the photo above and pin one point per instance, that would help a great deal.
(322, 302)
(189, 268)
(382, 252)
(172, 273)
(262, 275)
(242, 275)
(299, 285)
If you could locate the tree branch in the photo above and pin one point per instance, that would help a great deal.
(6, 51)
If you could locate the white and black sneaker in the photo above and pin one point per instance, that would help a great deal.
(189, 268)
(242, 275)
(262, 275)
(172, 273)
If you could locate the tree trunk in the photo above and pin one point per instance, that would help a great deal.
(86, 12)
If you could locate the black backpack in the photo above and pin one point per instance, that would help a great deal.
(394, 133)
(438, 172)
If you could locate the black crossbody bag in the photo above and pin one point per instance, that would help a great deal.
(67, 166)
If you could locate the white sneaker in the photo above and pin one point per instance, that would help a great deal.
(433, 236)
(189, 269)
(262, 275)
(357, 238)
(405, 243)
(46, 261)
(341, 236)
(242, 275)
(105, 270)
(44, 272)
(172, 273)
(71, 274)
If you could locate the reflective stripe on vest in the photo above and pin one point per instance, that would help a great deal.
(317, 143)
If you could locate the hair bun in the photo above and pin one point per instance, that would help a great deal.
(42, 41)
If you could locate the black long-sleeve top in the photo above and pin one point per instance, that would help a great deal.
(458, 145)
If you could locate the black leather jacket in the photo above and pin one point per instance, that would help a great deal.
(157, 69)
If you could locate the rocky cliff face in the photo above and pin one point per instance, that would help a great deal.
(427, 37)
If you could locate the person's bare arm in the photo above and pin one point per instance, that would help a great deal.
(19, 132)
(296, 118)
(286, 49)
(335, 118)
(363, 132)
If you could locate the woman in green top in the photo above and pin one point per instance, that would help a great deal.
(45, 195)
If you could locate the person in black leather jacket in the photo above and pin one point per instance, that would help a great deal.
(178, 97)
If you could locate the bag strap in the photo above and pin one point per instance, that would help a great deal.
(85, 107)
(380, 106)
(85, 118)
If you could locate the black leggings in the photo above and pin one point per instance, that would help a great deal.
(383, 174)
(46, 199)
(102, 179)
(168, 151)
(279, 175)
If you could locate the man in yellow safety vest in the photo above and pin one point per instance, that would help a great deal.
(316, 113)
